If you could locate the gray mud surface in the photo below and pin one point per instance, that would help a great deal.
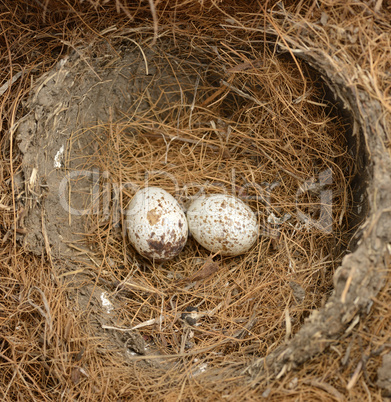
(57, 136)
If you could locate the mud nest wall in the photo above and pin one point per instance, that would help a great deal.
(237, 95)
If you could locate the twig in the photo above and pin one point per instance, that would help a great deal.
(188, 140)
(5, 86)
(141, 50)
(47, 315)
(247, 96)
(353, 380)
(326, 387)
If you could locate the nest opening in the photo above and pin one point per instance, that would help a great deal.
(262, 126)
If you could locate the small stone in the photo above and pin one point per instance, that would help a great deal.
(266, 393)
(190, 316)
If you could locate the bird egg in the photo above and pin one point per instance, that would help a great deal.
(156, 224)
(222, 223)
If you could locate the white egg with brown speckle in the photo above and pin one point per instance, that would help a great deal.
(222, 223)
(156, 224)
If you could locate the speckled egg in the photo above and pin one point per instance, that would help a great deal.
(156, 225)
(223, 223)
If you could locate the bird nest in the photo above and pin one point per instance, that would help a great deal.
(255, 113)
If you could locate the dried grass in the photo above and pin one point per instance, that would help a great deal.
(234, 146)
(48, 351)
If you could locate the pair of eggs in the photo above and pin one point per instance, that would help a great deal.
(158, 228)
